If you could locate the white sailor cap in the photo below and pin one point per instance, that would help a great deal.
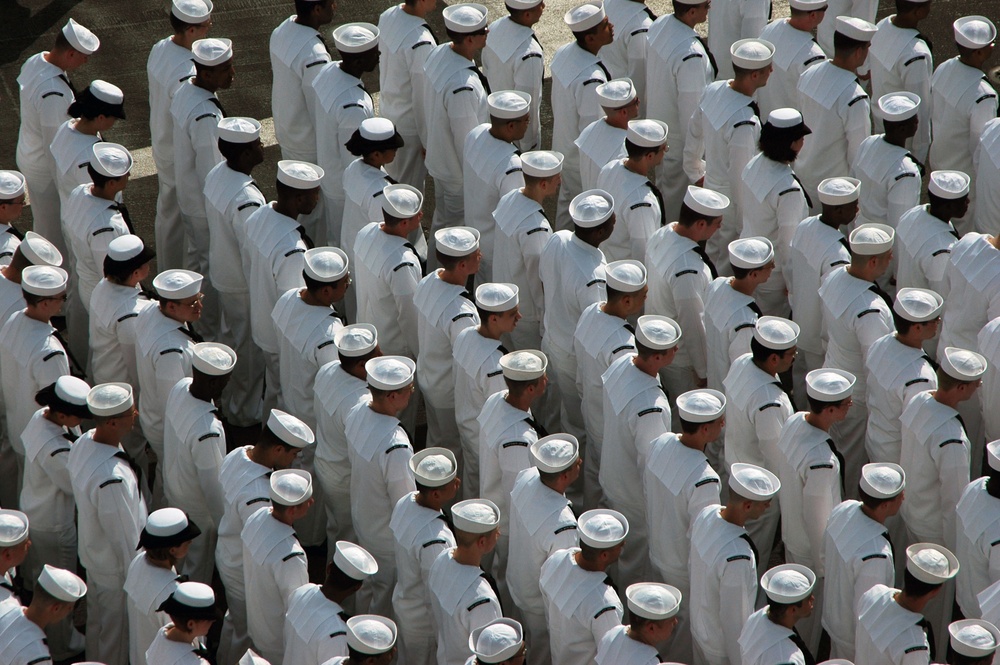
(239, 130)
(390, 372)
(110, 159)
(457, 240)
(993, 454)
(524, 365)
(496, 296)
(129, 249)
(325, 264)
(354, 561)
(192, 600)
(627, 275)
(213, 358)
(751, 253)
(948, 184)
(830, 385)
(80, 38)
(752, 53)
(43, 280)
(962, 364)
(701, 406)
(212, 51)
(291, 487)
(177, 284)
(753, 482)
(110, 399)
(496, 642)
(706, 202)
(434, 467)
(39, 251)
(776, 333)
(192, 11)
(509, 104)
(918, 305)
(837, 661)
(109, 93)
(377, 129)
(787, 118)
(72, 390)
(872, 239)
(882, 480)
(897, 106)
(584, 17)
(973, 32)
(652, 600)
(555, 453)
(931, 563)
(13, 527)
(371, 634)
(602, 528)
(808, 5)
(475, 516)
(974, 638)
(299, 175)
(289, 429)
(788, 583)
(591, 208)
(839, 191)
(649, 133)
(356, 340)
(249, 658)
(355, 37)
(62, 584)
(522, 4)
(402, 201)
(855, 28)
(466, 17)
(542, 163)
(167, 527)
(657, 332)
(11, 184)
(616, 93)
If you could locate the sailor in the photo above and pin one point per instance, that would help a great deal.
(110, 515)
(926, 232)
(602, 336)
(972, 640)
(194, 446)
(273, 258)
(962, 100)
(192, 610)
(795, 51)
(835, 106)
(678, 68)
(731, 22)
(12, 201)
(603, 140)
(45, 97)
(421, 532)
(577, 72)
(244, 478)
(341, 103)
(987, 174)
(856, 313)
(443, 311)
(988, 602)
(722, 136)
(581, 600)
(724, 564)
(989, 346)
(890, 628)
(976, 529)
(370, 639)
(858, 554)
(679, 483)
(340, 385)
(23, 630)
(454, 103)
(652, 609)
(152, 576)
(491, 167)
(638, 202)
(316, 624)
(477, 370)
(14, 546)
(731, 312)
(901, 61)
(379, 451)
(501, 642)
(522, 230)
(770, 634)
(461, 595)
(541, 524)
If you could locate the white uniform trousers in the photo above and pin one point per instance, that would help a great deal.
(168, 229)
(10, 493)
(416, 648)
(235, 638)
(45, 209)
(772, 297)
(442, 430)
(672, 181)
(314, 220)
(810, 629)
(272, 381)
(77, 334)
(849, 434)
(562, 369)
(449, 210)
(717, 246)
(498, 563)
(676, 380)
(336, 498)
(56, 548)
(408, 167)
(200, 560)
(938, 610)
(593, 493)
(196, 259)
(536, 633)
(805, 362)
(470, 463)
(633, 565)
(328, 233)
(375, 596)
(762, 532)
(528, 335)
(242, 399)
(311, 529)
(971, 411)
(107, 619)
(680, 648)
(572, 184)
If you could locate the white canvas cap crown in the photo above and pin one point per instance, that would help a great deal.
(837, 661)
(325, 264)
(807, 5)
(830, 385)
(291, 487)
(72, 390)
(177, 284)
(355, 37)
(591, 208)
(110, 399)
(13, 527)
(496, 642)
(628, 275)
(752, 53)
(80, 38)
(457, 241)
(706, 201)
(882, 480)
(962, 364)
(931, 563)
(776, 333)
(475, 516)
(656, 332)
(975, 638)
(751, 253)
(62, 584)
(526, 365)
(949, 184)
(354, 561)
(555, 453)
(356, 340)
(299, 175)
(542, 163)
(192, 11)
(616, 93)
(652, 600)
(855, 28)
(390, 372)
(839, 191)
(522, 4)
(43, 280)
(897, 106)
(434, 467)
(166, 522)
(918, 305)
(290, 429)
(465, 18)
(377, 129)
(974, 32)
(371, 634)
(194, 595)
(125, 247)
(784, 118)
(213, 358)
(753, 482)
(212, 51)
(872, 239)
(602, 528)
(11, 184)
(788, 583)
(647, 133)
(584, 17)
(993, 454)
(39, 251)
(402, 201)
(497, 296)
(109, 93)
(111, 159)
(509, 104)
(239, 130)
(701, 406)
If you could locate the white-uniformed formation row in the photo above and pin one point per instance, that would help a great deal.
(673, 386)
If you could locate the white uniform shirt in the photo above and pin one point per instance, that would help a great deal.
(924, 249)
(506, 434)
(71, 151)
(890, 181)
(730, 21)
(572, 274)
(617, 646)
(443, 311)
(764, 642)
(90, 223)
(816, 250)
(625, 57)
(773, 204)
(477, 376)
(600, 339)
(755, 415)
(315, 627)
(977, 528)
(363, 185)
(168, 66)
(962, 102)
(576, 73)
(23, 642)
(730, 318)
(230, 198)
(462, 600)
(163, 356)
(888, 634)
(298, 52)
(146, 587)
(794, 52)
(491, 168)
(973, 289)
(114, 310)
(342, 103)
(989, 346)
(638, 211)
(169, 652)
(513, 59)
(986, 179)
(335, 393)
(196, 113)
(599, 143)
(247, 490)
(45, 96)
(47, 492)
(520, 236)
(404, 43)
(10, 238)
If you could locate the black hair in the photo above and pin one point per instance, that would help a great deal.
(581, 37)
(870, 502)
(99, 179)
(842, 44)
(776, 143)
(232, 151)
(180, 26)
(303, 8)
(459, 37)
(761, 353)
(817, 406)
(687, 216)
(916, 588)
(47, 397)
(635, 151)
(314, 285)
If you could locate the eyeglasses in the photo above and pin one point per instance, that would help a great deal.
(198, 300)
(61, 297)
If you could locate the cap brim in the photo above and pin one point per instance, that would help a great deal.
(358, 145)
(148, 541)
